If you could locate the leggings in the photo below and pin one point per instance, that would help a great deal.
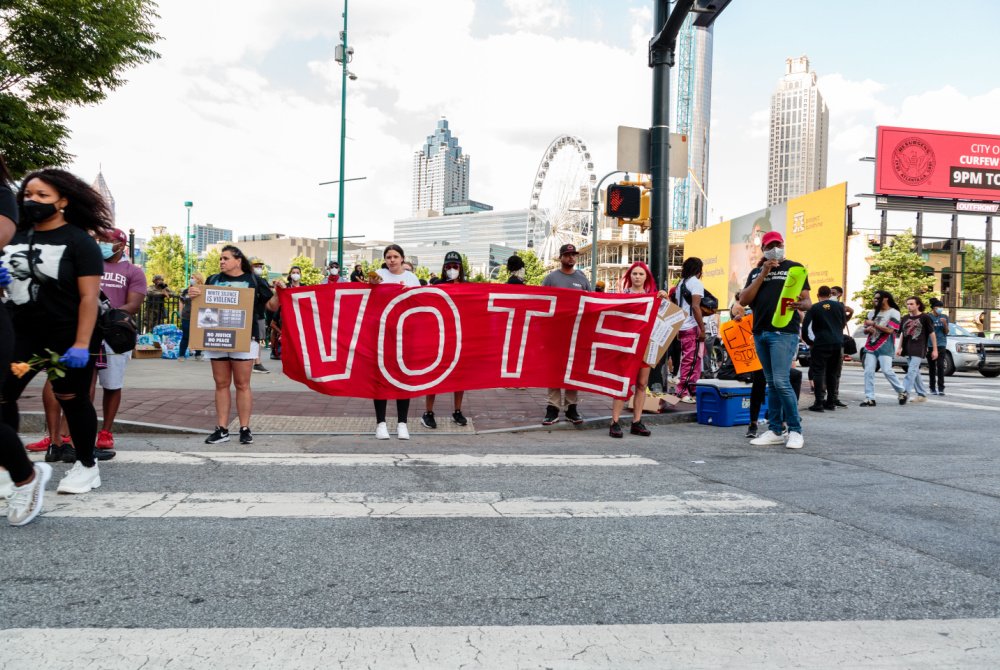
(402, 409)
(936, 369)
(34, 337)
(759, 390)
(13, 457)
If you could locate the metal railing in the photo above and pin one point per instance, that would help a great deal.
(156, 311)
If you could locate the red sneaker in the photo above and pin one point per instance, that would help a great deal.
(66, 439)
(41, 445)
(105, 440)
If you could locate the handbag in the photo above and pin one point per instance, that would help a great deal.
(118, 329)
(850, 345)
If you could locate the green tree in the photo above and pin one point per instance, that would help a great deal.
(534, 270)
(58, 53)
(898, 269)
(165, 256)
(974, 272)
(310, 273)
(422, 272)
(208, 265)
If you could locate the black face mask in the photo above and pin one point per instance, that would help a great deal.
(35, 212)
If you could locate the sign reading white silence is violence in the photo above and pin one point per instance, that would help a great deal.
(388, 342)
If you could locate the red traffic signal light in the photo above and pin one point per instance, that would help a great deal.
(623, 202)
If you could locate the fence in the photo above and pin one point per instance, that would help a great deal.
(158, 310)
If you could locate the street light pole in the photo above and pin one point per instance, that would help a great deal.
(345, 56)
(594, 201)
(329, 240)
(187, 244)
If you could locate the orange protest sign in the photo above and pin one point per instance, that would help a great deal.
(737, 337)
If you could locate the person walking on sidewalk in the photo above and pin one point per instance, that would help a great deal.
(393, 273)
(935, 366)
(822, 329)
(688, 295)
(776, 346)
(21, 482)
(881, 327)
(452, 273)
(234, 368)
(565, 276)
(637, 280)
(917, 331)
(54, 308)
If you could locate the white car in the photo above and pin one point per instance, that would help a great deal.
(964, 352)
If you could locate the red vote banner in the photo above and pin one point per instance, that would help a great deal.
(388, 342)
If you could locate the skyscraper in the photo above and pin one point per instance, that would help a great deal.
(800, 129)
(440, 172)
(101, 186)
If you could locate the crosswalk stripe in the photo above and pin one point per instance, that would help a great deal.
(397, 460)
(475, 504)
(935, 401)
(931, 643)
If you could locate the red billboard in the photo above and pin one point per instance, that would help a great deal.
(937, 164)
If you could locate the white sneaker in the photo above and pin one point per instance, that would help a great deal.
(382, 431)
(794, 441)
(26, 501)
(919, 398)
(688, 399)
(402, 432)
(80, 479)
(767, 439)
(6, 485)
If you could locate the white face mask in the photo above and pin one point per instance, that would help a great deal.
(775, 254)
(295, 276)
(519, 274)
(451, 273)
(258, 271)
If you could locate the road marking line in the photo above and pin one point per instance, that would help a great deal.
(931, 402)
(398, 460)
(816, 644)
(475, 504)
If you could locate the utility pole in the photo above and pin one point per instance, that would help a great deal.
(345, 57)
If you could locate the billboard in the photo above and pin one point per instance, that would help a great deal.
(937, 164)
(813, 228)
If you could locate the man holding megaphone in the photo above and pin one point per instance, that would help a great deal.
(776, 290)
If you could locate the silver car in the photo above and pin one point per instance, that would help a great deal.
(964, 352)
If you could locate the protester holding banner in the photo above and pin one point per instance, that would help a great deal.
(565, 276)
(393, 273)
(293, 280)
(637, 280)
(234, 368)
(776, 334)
(452, 273)
(515, 268)
(822, 329)
(688, 296)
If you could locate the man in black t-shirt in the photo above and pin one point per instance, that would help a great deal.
(916, 330)
(776, 347)
(822, 329)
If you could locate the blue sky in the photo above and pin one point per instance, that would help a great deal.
(241, 114)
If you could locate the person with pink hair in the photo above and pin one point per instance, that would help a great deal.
(637, 280)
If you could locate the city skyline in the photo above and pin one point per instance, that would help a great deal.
(245, 121)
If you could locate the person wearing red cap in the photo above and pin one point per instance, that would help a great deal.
(776, 347)
(565, 276)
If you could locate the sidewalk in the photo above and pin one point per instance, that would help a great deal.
(170, 395)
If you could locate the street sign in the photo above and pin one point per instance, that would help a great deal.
(633, 152)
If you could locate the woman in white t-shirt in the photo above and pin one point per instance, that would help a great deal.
(689, 293)
(393, 273)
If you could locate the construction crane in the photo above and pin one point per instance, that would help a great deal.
(680, 220)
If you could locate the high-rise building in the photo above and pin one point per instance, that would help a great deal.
(440, 173)
(800, 129)
(209, 234)
(101, 186)
(692, 117)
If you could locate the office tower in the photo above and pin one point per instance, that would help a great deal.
(101, 186)
(440, 173)
(800, 128)
(692, 117)
(208, 234)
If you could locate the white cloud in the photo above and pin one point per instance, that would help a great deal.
(536, 14)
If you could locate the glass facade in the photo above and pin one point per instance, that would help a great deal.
(440, 172)
(430, 238)
(208, 234)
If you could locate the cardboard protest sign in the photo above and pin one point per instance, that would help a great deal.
(794, 283)
(668, 322)
(222, 319)
(737, 337)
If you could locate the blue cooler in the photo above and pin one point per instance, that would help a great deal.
(724, 403)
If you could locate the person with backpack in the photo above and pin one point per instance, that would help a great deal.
(688, 296)
(234, 368)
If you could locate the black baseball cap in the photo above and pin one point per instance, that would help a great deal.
(568, 249)
(453, 257)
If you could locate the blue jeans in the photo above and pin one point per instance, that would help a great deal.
(914, 382)
(886, 362)
(776, 352)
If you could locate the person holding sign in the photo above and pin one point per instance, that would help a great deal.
(234, 368)
(776, 289)
(636, 280)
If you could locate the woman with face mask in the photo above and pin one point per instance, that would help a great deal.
(881, 326)
(293, 280)
(935, 367)
(515, 266)
(55, 307)
(452, 272)
(197, 279)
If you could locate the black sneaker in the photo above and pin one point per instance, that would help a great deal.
(839, 404)
(104, 454)
(870, 402)
(69, 453)
(246, 437)
(275, 356)
(427, 420)
(615, 430)
(829, 407)
(551, 415)
(941, 392)
(816, 407)
(54, 453)
(902, 398)
(751, 431)
(459, 418)
(573, 415)
(220, 435)
(258, 367)
(638, 428)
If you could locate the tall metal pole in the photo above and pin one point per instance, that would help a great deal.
(594, 201)
(988, 284)
(953, 306)
(329, 239)
(187, 244)
(343, 137)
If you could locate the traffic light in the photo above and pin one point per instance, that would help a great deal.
(623, 201)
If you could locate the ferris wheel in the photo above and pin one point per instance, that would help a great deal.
(563, 182)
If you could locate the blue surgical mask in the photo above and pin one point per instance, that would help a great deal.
(107, 249)
(939, 310)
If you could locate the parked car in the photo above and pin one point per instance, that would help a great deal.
(965, 352)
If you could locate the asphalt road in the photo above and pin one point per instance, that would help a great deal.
(877, 545)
